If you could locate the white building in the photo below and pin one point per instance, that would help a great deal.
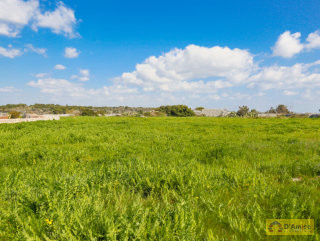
(212, 112)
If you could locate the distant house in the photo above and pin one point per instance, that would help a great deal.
(267, 115)
(212, 112)
(314, 116)
(112, 114)
(4, 116)
(32, 116)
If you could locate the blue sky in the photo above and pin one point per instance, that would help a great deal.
(216, 54)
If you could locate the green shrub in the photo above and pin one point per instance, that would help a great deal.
(282, 109)
(177, 110)
(14, 114)
(199, 108)
(243, 111)
(147, 114)
(88, 112)
(232, 114)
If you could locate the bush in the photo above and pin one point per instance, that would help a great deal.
(88, 112)
(199, 108)
(272, 110)
(243, 111)
(147, 114)
(253, 113)
(14, 114)
(282, 109)
(177, 110)
(232, 114)
(101, 112)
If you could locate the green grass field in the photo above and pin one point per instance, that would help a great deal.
(157, 178)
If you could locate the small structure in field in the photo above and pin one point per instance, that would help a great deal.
(31, 116)
(4, 116)
(267, 115)
(314, 116)
(212, 112)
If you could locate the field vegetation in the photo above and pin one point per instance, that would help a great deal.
(126, 178)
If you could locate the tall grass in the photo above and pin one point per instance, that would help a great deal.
(157, 178)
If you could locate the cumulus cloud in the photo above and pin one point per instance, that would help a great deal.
(60, 67)
(199, 72)
(23, 11)
(62, 87)
(186, 69)
(62, 20)
(288, 45)
(10, 52)
(299, 75)
(40, 51)
(71, 53)
(313, 40)
(84, 75)
(7, 31)
(192, 75)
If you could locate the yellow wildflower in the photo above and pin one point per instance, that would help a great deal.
(49, 222)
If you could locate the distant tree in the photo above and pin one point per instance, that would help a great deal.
(232, 114)
(176, 110)
(282, 109)
(199, 108)
(147, 114)
(253, 113)
(88, 112)
(243, 111)
(14, 114)
(139, 112)
(272, 110)
(101, 112)
(59, 110)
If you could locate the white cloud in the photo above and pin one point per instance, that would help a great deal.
(71, 53)
(288, 92)
(23, 11)
(10, 52)
(8, 89)
(62, 87)
(313, 40)
(288, 45)
(84, 75)
(40, 51)
(119, 90)
(288, 77)
(60, 67)
(183, 69)
(192, 75)
(16, 14)
(61, 20)
(41, 75)
(7, 31)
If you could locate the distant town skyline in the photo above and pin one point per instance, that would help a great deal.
(216, 54)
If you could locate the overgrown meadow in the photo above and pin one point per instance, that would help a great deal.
(125, 178)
